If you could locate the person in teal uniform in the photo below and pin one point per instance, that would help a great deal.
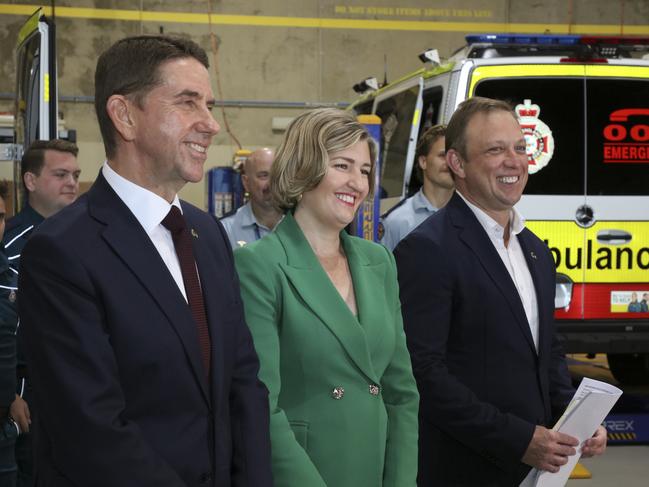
(324, 312)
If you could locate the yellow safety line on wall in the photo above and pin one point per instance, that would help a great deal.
(322, 23)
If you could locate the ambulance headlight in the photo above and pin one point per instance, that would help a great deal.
(563, 292)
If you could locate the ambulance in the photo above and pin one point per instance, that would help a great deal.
(583, 105)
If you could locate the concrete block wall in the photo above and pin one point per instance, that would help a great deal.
(286, 51)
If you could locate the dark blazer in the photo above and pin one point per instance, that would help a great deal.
(113, 350)
(342, 396)
(483, 386)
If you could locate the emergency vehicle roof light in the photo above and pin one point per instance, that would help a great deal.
(513, 39)
(613, 40)
(366, 85)
(611, 46)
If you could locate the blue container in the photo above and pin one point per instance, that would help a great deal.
(224, 191)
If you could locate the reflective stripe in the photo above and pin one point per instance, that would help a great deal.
(8, 244)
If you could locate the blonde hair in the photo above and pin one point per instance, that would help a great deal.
(302, 158)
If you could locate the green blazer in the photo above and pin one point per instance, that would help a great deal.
(343, 399)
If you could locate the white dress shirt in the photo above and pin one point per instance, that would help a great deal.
(514, 260)
(149, 209)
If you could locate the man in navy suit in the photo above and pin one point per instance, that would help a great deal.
(477, 292)
(134, 386)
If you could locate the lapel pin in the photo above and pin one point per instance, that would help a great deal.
(533, 255)
(194, 234)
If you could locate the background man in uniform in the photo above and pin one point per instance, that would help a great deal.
(477, 291)
(435, 192)
(8, 322)
(143, 366)
(258, 216)
(50, 177)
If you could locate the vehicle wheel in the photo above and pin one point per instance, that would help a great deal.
(630, 368)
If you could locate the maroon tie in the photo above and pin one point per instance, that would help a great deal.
(175, 223)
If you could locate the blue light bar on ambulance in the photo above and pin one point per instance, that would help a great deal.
(513, 39)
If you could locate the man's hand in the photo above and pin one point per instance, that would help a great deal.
(19, 411)
(595, 445)
(549, 450)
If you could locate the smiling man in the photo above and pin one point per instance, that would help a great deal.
(477, 293)
(144, 369)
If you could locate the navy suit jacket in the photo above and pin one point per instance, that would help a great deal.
(113, 351)
(483, 386)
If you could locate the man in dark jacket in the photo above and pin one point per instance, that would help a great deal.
(8, 321)
(50, 178)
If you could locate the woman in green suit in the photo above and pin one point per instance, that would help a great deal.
(324, 312)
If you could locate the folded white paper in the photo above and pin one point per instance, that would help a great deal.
(586, 411)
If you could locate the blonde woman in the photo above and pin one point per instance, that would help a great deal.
(324, 311)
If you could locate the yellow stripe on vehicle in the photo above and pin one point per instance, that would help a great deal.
(46, 87)
(580, 256)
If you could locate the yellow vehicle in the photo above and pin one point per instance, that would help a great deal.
(583, 104)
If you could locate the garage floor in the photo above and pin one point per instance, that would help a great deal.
(621, 465)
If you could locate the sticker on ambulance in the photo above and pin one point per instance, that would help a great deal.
(630, 301)
(538, 136)
(625, 140)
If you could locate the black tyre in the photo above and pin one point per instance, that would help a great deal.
(630, 368)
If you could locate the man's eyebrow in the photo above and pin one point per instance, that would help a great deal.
(190, 93)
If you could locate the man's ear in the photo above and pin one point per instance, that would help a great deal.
(455, 163)
(244, 181)
(30, 181)
(120, 110)
(421, 160)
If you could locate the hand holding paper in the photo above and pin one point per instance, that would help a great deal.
(583, 416)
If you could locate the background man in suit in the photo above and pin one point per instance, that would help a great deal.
(147, 369)
(477, 291)
(50, 176)
(258, 216)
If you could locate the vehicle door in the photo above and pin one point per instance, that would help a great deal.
(400, 111)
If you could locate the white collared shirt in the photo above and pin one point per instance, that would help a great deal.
(514, 260)
(149, 209)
